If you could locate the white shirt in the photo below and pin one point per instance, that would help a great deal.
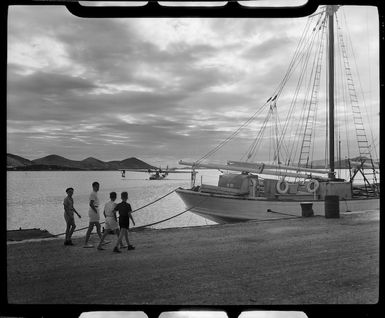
(109, 209)
(91, 213)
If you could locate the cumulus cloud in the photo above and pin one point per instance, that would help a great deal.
(112, 87)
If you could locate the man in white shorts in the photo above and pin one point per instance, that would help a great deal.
(111, 223)
(93, 214)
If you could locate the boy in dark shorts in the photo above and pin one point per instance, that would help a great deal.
(124, 210)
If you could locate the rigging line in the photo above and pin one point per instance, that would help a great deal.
(370, 81)
(246, 123)
(220, 145)
(290, 71)
(257, 141)
(344, 98)
(77, 230)
(302, 74)
(357, 117)
(313, 100)
(314, 131)
(303, 50)
(294, 59)
(326, 150)
(276, 136)
(299, 128)
(275, 96)
(270, 142)
(359, 80)
(294, 101)
(281, 141)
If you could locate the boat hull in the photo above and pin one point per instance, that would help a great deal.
(228, 209)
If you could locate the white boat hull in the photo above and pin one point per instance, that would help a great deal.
(227, 209)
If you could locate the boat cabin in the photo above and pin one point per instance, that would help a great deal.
(251, 186)
(233, 184)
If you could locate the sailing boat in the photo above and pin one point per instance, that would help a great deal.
(251, 189)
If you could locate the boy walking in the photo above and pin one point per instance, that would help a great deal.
(124, 210)
(93, 214)
(69, 215)
(111, 223)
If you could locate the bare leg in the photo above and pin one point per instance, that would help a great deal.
(103, 237)
(119, 242)
(126, 237)
(117, 233)
(98, 230)
(67, 232)
(72, 229)
(90, 228)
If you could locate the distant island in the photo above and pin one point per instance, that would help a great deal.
(58, 163)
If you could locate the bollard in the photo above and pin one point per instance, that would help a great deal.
(332, 206)
(307, 209)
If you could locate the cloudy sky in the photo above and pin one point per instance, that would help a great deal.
(156, 89)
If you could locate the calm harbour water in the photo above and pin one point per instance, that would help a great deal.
(35, 198)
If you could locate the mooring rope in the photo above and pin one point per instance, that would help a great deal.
(295, 216)
(161, 221)
(169, 218)
(142, 207)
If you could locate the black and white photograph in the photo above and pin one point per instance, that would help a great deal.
(193, 161)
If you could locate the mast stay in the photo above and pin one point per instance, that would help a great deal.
(289, 140)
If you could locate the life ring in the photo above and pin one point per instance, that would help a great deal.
(312, 186)
(285, 189)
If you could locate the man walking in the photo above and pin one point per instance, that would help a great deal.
(93, 214)
(69, 215)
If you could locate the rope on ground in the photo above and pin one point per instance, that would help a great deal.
(295, 216)
(274, 219)
(142, 207)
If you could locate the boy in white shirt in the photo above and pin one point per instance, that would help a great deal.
(111, 220)
(93, 214)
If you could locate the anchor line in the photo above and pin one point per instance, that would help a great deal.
(142, 207)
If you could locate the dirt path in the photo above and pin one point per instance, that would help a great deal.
(297, 261)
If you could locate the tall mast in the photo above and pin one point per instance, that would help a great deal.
(330, 12)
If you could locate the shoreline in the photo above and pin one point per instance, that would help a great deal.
(25, 235)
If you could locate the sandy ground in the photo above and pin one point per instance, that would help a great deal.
(294, 261)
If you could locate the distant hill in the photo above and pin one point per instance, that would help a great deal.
(17, 161)
(55, 162)
(92, 163)
(134, 163)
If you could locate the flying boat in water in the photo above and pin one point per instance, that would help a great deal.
(250, 187)
(157, 173)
